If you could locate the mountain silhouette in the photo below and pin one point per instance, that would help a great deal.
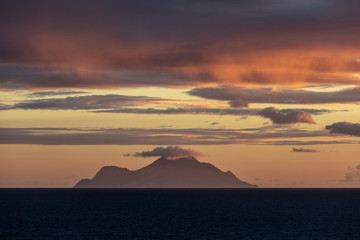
(184, 172)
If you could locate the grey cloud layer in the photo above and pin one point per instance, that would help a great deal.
(54, 93)
(214, 111)
(139, 136)
(85, 102)
(236, 95)
(121, 103)
(186, 110)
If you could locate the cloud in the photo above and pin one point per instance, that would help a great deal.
(218, 111)
(54, 93)
(349, 177)
(238, 103)
(169, 151)
(347, 128)
(185, 110)
(352, 177)
(268, 135)
(304, 142)
(25, 76)
(85, 102)
(4, 107)
(304, 150)
(267, 42)
(113, 103)
(234, 94)
(286, 116)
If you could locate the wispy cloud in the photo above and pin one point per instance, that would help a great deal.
(287, 115)
(86, 102)
(54, 93)
(306, 150)
(142, 136)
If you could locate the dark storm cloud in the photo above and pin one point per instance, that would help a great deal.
(286, 116)
(140, 136)
(169, 151)
(277, 96)
(347, 128)
(155, 36)
(308, 150)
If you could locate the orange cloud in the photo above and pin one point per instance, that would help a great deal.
(93, 46)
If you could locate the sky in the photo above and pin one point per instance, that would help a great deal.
(268, 89)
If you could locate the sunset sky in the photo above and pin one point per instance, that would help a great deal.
(269, 89)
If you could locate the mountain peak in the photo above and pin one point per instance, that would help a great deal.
(113, 168)
(173, 160)
(187, 158)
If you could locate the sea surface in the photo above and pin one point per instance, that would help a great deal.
(179, 214)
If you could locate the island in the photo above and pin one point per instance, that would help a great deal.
(184, 172)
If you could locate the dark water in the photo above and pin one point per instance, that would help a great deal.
(179, 214)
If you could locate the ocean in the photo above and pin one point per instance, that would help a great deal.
(179, 214)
